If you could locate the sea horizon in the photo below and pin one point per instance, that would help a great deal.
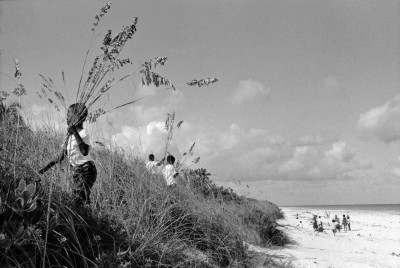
(378, 207)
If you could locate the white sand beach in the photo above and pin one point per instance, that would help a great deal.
(374, 239)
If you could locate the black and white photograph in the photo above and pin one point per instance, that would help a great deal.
(200, 133)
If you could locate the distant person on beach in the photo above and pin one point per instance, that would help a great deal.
(152, 164)
(320, 228)
(315, 224)
(169, 171)
(319, 221)
(344, 223)
(76, 147)
(337, 225)
(348, 222)
(334, 226)
(300, 224)
(337, 220)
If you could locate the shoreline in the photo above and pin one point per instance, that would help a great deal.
(374, 239)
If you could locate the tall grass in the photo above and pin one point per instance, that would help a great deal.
(133, 221)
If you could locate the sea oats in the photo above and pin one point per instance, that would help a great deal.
(60, 97)
(196, 160)
(103, 11)
(191, 147)
(44, 92)
(203, 82)
(4, 94)
(20, 90)
(17, 73)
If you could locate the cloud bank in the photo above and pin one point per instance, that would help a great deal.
(382, 122)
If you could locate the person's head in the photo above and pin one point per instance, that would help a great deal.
(76, 114)
(344, 216)
(151, 157)
(319, 217)
(170, 159)
(333, 220)
(348, 216)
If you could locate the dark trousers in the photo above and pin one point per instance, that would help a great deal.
(84, 177)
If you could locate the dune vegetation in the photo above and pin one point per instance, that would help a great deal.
(134, 220)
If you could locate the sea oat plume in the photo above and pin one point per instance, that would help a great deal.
(203, 82)
(103, 11)
(17, 73)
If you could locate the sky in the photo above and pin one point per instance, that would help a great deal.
(306, 112)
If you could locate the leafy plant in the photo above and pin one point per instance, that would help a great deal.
(24, 201)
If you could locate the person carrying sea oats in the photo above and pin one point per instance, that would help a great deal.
(152, 164)
(169, 171)
(76, 147)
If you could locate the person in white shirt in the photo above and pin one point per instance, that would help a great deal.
(152, 165)
(76, 147)
(169, 171)
(300, 224)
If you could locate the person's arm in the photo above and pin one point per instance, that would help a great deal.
(176, 173)
(59, 158)
(83, 147)
(160, 162)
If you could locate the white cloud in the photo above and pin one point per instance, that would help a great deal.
(248, 90)
(256, 155)
(231, 137)
(340, 152)
(43, 116)
(251, 155)
(290, 165)
(146, 139)
(383, 121)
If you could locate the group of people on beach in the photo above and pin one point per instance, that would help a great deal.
(76, 148)
(336, 224)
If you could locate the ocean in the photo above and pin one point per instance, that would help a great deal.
(362, 207)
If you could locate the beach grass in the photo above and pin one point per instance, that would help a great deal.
(134, 220)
